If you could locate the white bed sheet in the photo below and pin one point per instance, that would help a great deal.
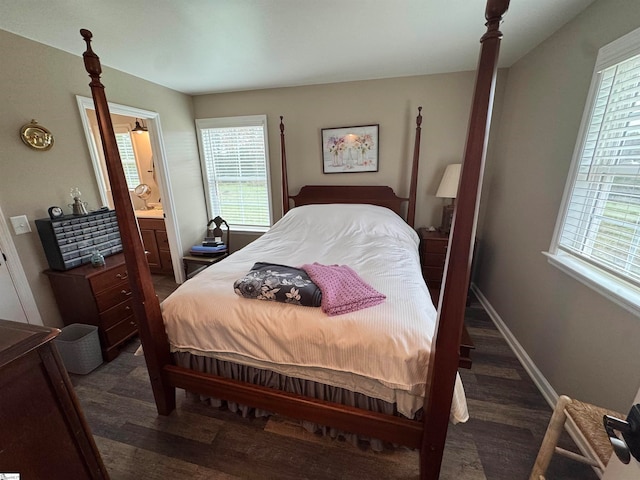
(381, 351)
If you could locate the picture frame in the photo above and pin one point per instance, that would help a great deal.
(350, 149)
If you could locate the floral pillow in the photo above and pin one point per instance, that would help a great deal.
(279, 283)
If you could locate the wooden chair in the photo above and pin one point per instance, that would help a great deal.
(586, 420)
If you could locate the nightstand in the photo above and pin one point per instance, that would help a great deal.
(198, 263)
(433, 254)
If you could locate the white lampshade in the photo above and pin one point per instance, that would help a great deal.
(449, 184)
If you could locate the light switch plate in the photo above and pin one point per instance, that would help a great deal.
(20, 224)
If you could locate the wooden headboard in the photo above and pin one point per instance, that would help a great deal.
(374, 195)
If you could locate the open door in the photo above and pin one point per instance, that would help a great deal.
(153, 171)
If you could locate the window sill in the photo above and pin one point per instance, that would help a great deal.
(621, 293)
(248, 230)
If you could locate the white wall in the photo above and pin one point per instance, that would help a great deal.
(585, 345)
(40, 82)
(391, 103)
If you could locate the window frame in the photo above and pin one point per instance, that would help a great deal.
(624, 293)
(237, 121)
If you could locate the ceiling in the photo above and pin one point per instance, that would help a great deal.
(208, 46)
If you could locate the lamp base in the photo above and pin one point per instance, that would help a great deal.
(447, 218)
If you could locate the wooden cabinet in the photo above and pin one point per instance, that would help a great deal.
(156, 244)
(98, 296)
(44, 432)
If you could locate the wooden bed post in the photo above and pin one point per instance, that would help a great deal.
(443, 365)
(283, 157)
(413, 187)
(145, 303)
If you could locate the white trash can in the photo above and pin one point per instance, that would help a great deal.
(79, 348)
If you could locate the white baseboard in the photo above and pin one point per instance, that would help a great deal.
(547, 391)
(550, 395)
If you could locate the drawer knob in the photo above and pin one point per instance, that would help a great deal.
(133, 323)
(124, 292)
(127, 307)
(122, 276)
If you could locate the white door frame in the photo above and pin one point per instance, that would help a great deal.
(20, 282)
(160, 163)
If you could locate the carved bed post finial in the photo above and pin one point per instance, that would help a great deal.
(91, 60)
(493, 13)
(283, 157)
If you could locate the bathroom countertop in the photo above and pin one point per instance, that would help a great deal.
(150, 213)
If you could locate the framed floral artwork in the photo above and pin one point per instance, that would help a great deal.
(350, 149)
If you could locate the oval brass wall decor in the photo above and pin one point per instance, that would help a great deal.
(36, 136)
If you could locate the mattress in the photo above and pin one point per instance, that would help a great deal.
(381, 351)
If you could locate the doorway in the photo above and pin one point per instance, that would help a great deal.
(152, 171)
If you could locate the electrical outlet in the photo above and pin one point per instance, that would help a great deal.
(20, 224)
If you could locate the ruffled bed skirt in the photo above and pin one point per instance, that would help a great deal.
(267, 378)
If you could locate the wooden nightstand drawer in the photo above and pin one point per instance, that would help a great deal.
(434, 260)
(432, 275)
(435, 245)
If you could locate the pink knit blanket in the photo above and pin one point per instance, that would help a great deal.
(343, 290)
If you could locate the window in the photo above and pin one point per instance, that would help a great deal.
(597, 237)
(234, 156)
(128, 157)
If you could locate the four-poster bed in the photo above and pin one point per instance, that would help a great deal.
(427, 435)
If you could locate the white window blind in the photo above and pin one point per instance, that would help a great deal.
(128, 157)
(602, 223)
(235, 165)
(597, 234)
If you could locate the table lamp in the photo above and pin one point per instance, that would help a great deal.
(449, 189)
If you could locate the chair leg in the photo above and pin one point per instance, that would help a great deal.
(550, 440)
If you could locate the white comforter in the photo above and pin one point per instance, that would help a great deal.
(380, 351)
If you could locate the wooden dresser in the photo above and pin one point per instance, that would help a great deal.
(97, 296)
(44, 432)
(156, 244)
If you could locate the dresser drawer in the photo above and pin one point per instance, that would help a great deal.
(108, 278)
(434, 260)
(435, 245)
(115, 314)
(432, 275)
(120, 331)
(113, 296)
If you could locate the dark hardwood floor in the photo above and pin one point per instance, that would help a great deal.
(500, 441)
